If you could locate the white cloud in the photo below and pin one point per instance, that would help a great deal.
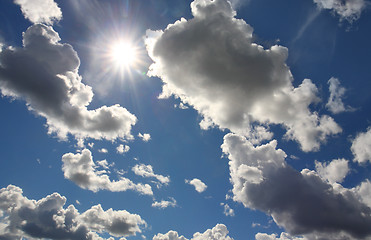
(164, 203)
(349, 10)
(40, 11)
(147, 171)
(219, 232)
(44, 73)
(283, 236)
(103, 150)
(211, 63)
(198, 184)
(335, 171)
(228, 211)
(335, 103)
(301, 202)
(122, 149)
(104, 164)
(48, 219)
(361, 147)
(145, 137)
(81, 169)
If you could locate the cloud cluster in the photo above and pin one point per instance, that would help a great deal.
(81, 169)
(361, 147)
(147, 171)
(301, 202)
(219, 232)
(48, 219)
(198, 184)
(40, 11)
(349, 10)
(211, 63)
(44, 73)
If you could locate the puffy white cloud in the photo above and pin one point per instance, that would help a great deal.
(335, 103)
(48, 219)
(164, 203)
(197, 183)
(228, 211)
(211, 63)
(335, 171)
(347, 9)
(103, 150)
(301, 202)
(40, 11)
(283, 236)
(44, 73)
(81, 169)
(361, 147)
(122, 149)
(219, 232)
(147, 171)
(145, 137)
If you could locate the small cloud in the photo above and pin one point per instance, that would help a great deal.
(349, 10)
(335, 103)
(36, 11)
(38, 160)
(147, 171)
(181, 106)
(103, 150)
(228, 211)
(164, 204)
(335, 171)
(361, 147)
(122, 149)
(103, 164)
(78, 202)
(91, 145)
(145, 137)
(198, 184)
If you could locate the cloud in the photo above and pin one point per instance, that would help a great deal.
(361, 147)
(164, 204)
(211, 63)
(48, 219)
(301, 202)
(147, 171)
(40, 11)
(335, 103)
(198, 184)
(103, 150)
(349, 10)
(335, 171)
(145, 137)
(44, 73)
(81, 169)
(228, 211)
(122, 149)
(219, 232)
(283, 236)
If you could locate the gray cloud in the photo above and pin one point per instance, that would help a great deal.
(81, 169)
(40, 11)
(301, 202)
(47, 218)
(44, 73)
(211, 63)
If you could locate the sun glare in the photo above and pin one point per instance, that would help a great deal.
(123, 54)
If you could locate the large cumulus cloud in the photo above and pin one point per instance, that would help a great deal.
(47, 218)
(44, 73)
(211, 63)
(301, 202)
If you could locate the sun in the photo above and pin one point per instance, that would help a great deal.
(123, 54)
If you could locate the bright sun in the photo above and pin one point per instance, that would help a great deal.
(123, 54)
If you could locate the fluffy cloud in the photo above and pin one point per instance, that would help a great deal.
(335, 171)
(198, 184)
(147, 171)
(301, 202)
(44, 73)
(122, 149)
(40, 11)
(211, 63)
(164, 203)
(228, 211)
(347, 9)
(48, 219)
(145, 137)
(81, 169)
(283, 236)
(361, 147)
(335, 103)
(219, 232)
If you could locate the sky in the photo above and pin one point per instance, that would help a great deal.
(185, 120)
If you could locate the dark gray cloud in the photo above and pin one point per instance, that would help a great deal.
(301, 202)
(47, 218)
(44, 73)
(211, 63)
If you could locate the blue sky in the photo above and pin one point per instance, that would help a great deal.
(174, 120)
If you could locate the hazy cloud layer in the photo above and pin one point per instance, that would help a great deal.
(40, 11)
(48, 219)
(361, 147)
(219, 232)
(211, 63)
(198, 184)
(147, 171)
(81, 169)
(44, 73)
(301, 202)
(349, 10)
